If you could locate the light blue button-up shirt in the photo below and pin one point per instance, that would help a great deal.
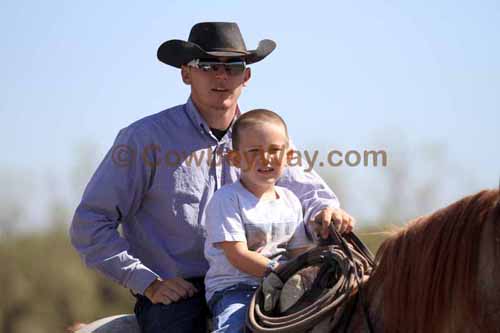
(155, 182)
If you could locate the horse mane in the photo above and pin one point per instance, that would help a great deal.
(428, 270)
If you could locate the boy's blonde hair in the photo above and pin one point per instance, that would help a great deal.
(254, 118)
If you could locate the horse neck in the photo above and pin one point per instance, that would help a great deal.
(489, 273)
(488, 292)
(366, 315)
(370, 307)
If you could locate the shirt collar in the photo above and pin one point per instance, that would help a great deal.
(201, 125)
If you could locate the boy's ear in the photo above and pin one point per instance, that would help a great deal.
(234, 158)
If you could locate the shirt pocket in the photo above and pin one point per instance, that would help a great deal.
(189, 191)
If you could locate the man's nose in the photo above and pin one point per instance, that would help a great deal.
(221, 73)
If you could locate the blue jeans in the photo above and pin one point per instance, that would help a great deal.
(229, 308)
(186, 316)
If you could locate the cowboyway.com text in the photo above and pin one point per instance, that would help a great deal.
(124, 155)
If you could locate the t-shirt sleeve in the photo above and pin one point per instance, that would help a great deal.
(223, 220)
(300, 237)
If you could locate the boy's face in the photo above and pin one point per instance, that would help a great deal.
(262, 154)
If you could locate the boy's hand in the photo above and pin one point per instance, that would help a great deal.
(342, 221)
(169, 290)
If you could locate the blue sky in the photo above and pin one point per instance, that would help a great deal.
(345, 75)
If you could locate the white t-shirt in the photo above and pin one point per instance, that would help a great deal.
(269, 227)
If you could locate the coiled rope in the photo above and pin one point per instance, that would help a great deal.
(344, 264)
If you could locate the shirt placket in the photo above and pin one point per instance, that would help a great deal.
(213, 170)
(220, 162)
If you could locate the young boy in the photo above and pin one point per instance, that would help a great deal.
(251, 224)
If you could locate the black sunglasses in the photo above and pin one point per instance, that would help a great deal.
(231, 68)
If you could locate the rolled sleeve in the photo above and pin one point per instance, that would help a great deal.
(314, 194)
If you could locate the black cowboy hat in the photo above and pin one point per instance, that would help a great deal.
(210, 40)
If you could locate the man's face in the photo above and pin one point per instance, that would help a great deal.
(218, 89)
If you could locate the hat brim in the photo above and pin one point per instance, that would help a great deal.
(178, 52)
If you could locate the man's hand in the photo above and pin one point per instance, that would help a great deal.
(169, 290)
(342, 221)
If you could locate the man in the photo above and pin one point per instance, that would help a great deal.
(159, 175)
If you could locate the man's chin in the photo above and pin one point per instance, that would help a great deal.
(224, 105)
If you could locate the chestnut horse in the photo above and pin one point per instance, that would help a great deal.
(441, 273)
